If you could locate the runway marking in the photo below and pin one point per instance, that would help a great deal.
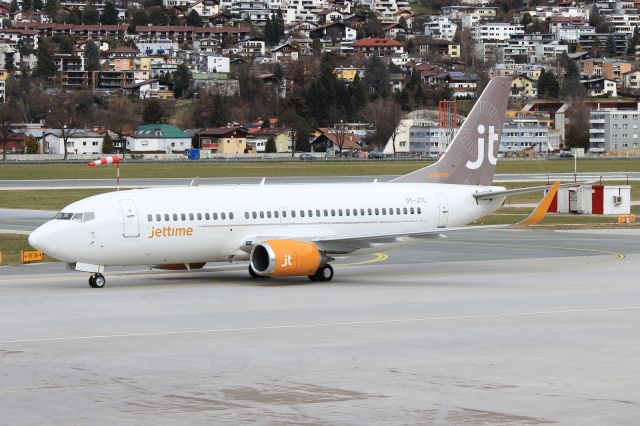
(618, 256)
(322, 325)
(379, 257)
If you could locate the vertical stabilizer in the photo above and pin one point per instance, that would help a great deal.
(471, 157)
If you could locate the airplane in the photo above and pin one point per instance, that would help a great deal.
(292, 229)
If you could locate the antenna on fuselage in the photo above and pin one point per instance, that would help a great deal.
(194, 181)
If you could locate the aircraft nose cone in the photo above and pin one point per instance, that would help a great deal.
(35, 239)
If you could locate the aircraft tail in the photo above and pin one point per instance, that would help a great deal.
(471, 157)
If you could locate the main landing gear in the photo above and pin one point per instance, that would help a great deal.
(324, 273)
(97, 281)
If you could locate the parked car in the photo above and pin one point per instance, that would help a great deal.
(307, 157)
(376, 155)
(565, 154)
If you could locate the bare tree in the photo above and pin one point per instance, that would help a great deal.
(8, 118)
(385, 116)
(122, 116)
(63, 117)
(340, 135)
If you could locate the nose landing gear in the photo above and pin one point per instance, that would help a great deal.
(97, 281)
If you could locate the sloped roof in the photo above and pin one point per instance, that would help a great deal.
(166, 131)
(376, 41)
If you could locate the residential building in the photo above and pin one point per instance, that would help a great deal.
(3, 85)
(158, 138)
(440, 27)
(614, 131)
(615, 70)
(496, 31)
(334, 31)
(79, 141)
(285, 52)
(524, 133)
(333, 141)
(252, 46)
(257, 138)
(523, 87)
(600, 87)
(223, 140)
(152, 88)
(632, 80)
(374, 46)
(427, 139)
(157, 47)
(214, 63)
(462, 85)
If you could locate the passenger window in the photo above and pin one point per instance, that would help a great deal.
(355, 212)
(419, 211)
(411, 210)
(361, 212)
(223, 216)
(246, 215)
(149, 218)
(207, 217)
(348, 212)
(183, 216)
(293, 213)
(199, 216)
(175, 216)
(284, 213)
(310, 213)
(377, 212)
(384, 211)
(215, 216)
(391, 211)
(397, 210)
(369, 211)
(230, 215)
(404, 210)
(275, 214)
(326, 213)
(158, 218)
(318, 213)
(166, 217)
(269, 214)
(301, 213)
(261, 215)
(255, 215)
(333, 212)
(339, 212)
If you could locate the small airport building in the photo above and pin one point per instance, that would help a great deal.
(592, 199)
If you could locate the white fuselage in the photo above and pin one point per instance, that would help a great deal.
(215, 223)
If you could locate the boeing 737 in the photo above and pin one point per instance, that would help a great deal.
(288, 230)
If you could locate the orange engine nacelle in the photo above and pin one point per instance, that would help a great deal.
(286, 258)
(179, 266)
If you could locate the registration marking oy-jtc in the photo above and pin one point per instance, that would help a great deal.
(379, 257)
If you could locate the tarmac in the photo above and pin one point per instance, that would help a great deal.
(503, 327)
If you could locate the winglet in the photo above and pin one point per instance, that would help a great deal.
(541, 210)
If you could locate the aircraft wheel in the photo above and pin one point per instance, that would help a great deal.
(325, 273)
(97, 281)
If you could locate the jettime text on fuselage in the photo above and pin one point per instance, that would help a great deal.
(169, 231)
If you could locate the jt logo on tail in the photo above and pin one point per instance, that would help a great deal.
(493, 137)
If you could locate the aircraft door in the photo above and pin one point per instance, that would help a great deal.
(443, 210)
(130, 219)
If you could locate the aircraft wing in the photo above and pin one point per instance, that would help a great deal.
(342, 244)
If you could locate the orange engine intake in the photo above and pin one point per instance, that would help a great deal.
(286, 258)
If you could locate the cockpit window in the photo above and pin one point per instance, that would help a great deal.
(79, 217)
(63, 216)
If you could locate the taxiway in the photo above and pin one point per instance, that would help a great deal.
(507, 327)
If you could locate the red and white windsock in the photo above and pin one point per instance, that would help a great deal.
(105, 160)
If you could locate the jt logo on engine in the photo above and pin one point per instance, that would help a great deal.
(493, 137)
(286, 261)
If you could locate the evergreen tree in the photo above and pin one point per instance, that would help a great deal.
(51, 9)
(75, 16)
(32, 145)
(548, 86)
(90, 15)
(526, 20)
(109, 14)
(152, 112)
(157, 16)
(376, 77)
(91, 56)
(317, 47)
(633, 42)
(194, 19)
(37, 4)
(302, 140)
(45, 66)
(182, 82)
(270, 147)
(13, 6)
(279, 25)
(172, 17)
(571, 86)
(139, 18)
(610, 46)
(373, 26)
(107, 144)
(270, 36)
(65, 44)
(27, 4)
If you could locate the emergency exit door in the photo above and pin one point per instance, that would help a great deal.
(130, 219)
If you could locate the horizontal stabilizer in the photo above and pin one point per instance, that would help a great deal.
(509, 192)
